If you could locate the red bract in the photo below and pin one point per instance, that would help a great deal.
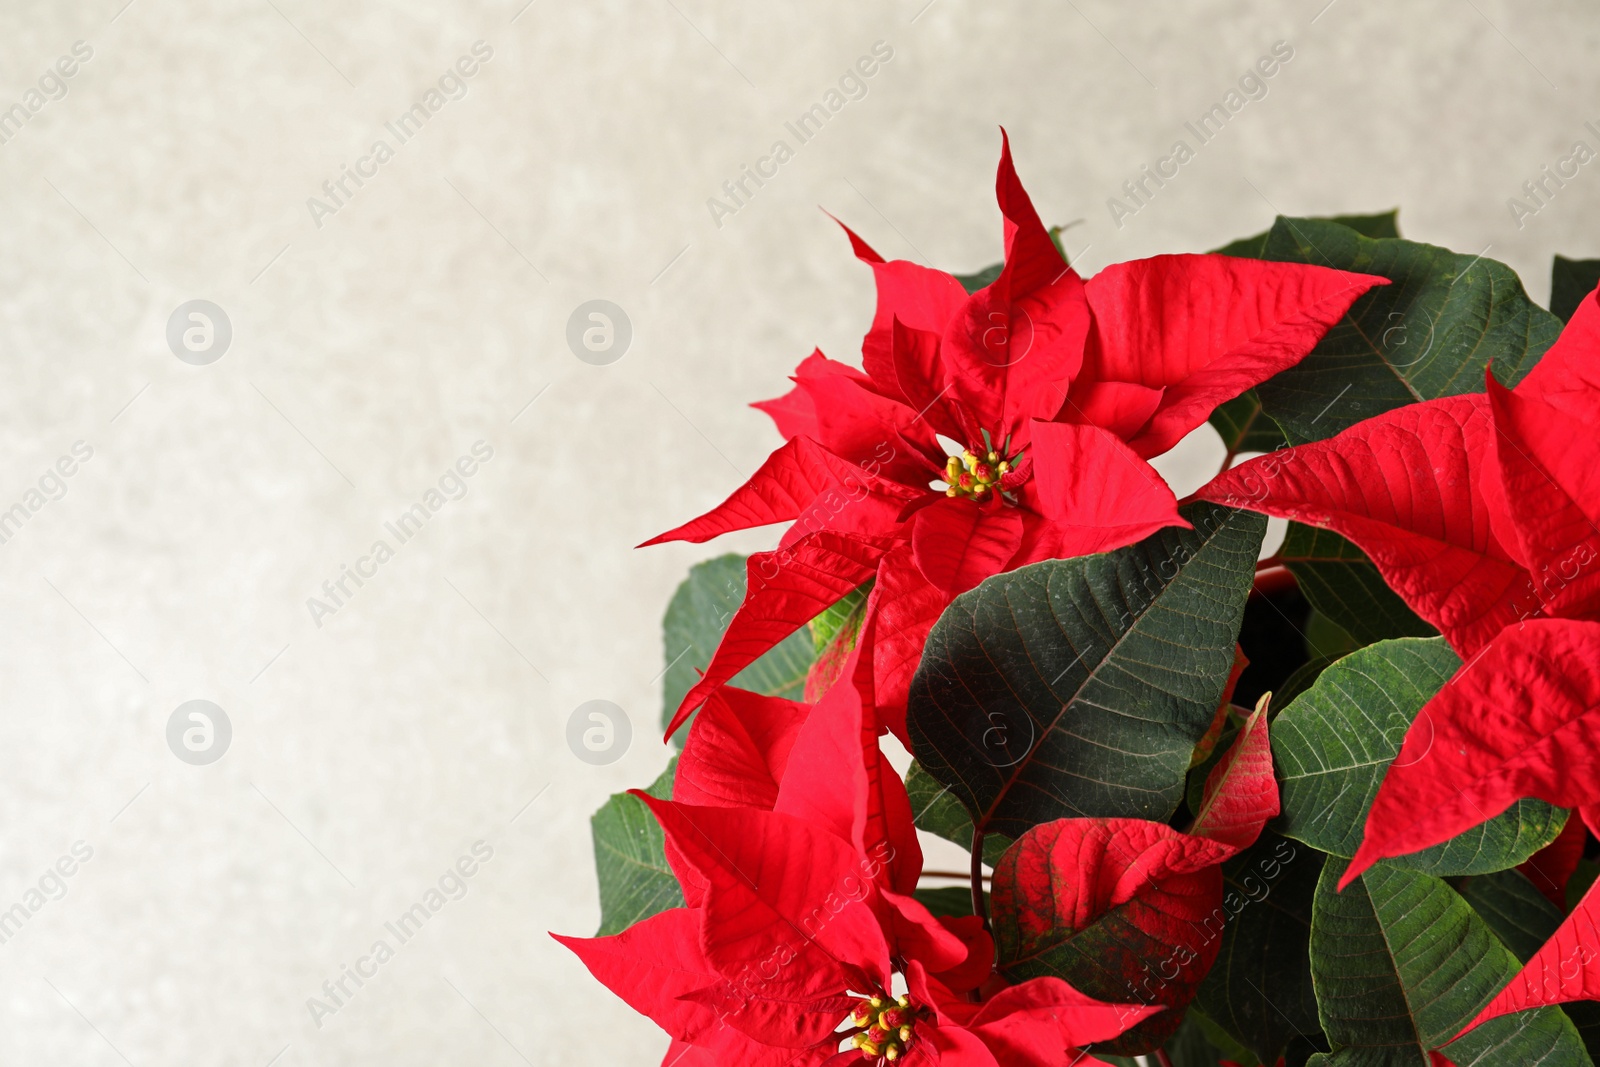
(1056, 391)
(1481, 512)
(800, 926)
(1137, 904)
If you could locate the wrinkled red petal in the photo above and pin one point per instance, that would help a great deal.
(920, 297)
(1549, 465)
(1566, 967)
(1202, 330)
(784, 590)
(1405, 487)
(1522, 719)
(1032, 260)
(843, 412)
(839, 781)
(1031, 1022)
(651, 965)
(957, 542)
(1241, 792)
(784, 917)
(1567, 376)
(1094, 491)
(797, 476)
(737, 750)
(904, 607)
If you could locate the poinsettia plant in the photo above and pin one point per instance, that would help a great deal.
(1331, 802)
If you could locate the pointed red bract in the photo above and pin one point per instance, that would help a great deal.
(784, 590)
(737, 750)
(1521, 720)
(1186, 333)
(1566, 967)
(797, 914)
(1483, 513)
(1129, 891)
(1240, 793)
(1145, 350)
(1403, 486)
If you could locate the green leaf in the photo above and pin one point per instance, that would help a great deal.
(940, 813)
(1259, 990)
(842, 618)
(1431, 333)
(630, 859)
(1334, 743)
(1520, 916)
(697, 616)
(953, 901)
(1080, 687)
(1570, 281)
(1400, 964)
(1383, 224)
(980, 278)
(1343, 585)
(1303, 678)
(1243, 426)
(1326, 639)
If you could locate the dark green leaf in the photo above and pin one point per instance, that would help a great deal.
(1344, 586)
(1243, 426)
(1520, 916)
(981, 278)
(1401, 963)
(1431, 333)
(1334, 743)
(1259, 990)
(630, 859)
(696, 618)
(953, 901)
(1570, 281)
(939, 812)
(1080, 687)
(1303, 678)
(1383, 224)
(1326, 639)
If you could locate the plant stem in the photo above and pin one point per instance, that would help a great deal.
(1162, 1058)
(980, 907)
(948, 874)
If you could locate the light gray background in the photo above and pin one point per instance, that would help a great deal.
(369, 353)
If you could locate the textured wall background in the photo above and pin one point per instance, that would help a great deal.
(371, 351)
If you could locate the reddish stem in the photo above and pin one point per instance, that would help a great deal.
(1162, 1058)
(980, 907)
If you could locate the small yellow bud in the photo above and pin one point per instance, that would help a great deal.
(1003, 466)
(891, 1053)
(952, 491)
(903, 1000)
(876, 1002)
(869, 1048)
(905, 1033)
